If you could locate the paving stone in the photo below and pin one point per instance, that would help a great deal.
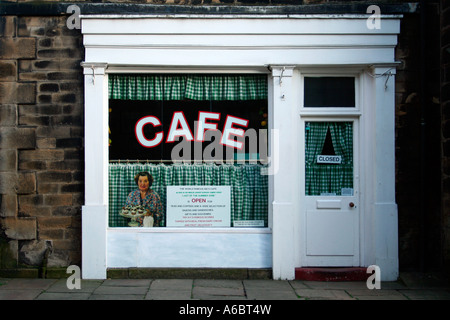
(104, 289)
(323, 293)
(168, 295)
(19, 294)
(87, 286)
(384, 297)
(297, 284)
(218, 289)
(218, 283)
(211, 291)
(392, 285)
(63, 296)
(27, 284)
(128, 282)
(172, 284)
(270, 294)
(373, 293)
(116, 297)
(426, 294)
(418, 280)
(267, 284)
(209, 297)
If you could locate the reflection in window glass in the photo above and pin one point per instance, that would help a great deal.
(329, 92)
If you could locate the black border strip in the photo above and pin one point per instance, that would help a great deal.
(43, 8)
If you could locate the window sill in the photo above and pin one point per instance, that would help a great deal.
(189, 230)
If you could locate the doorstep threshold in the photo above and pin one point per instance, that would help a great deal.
(331, 274)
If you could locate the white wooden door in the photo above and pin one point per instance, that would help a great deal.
(330, 200)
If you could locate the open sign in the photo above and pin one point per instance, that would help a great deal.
(329, 159)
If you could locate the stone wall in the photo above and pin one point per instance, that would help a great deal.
(41, 139)
(418, 146)
(445, 114)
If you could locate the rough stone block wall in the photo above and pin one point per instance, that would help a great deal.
(420, 233)
(41, 140)
(445, 114)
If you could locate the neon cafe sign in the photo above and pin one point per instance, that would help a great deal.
(180, 128)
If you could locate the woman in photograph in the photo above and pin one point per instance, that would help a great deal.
(148, 198)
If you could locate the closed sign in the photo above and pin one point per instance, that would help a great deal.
(329, 159)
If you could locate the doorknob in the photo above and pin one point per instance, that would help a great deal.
(351, 204)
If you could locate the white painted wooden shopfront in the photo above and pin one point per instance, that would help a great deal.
(355, 230)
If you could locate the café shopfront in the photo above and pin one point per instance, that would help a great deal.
(269, 137)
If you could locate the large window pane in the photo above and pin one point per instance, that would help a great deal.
(146, 112)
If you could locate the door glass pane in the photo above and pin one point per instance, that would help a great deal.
(329, 92)
(329, 158)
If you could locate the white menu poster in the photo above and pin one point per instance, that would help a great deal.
(198, 206)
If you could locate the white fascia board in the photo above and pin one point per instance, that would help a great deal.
(231, 25)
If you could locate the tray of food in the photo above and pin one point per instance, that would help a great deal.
(133, 212)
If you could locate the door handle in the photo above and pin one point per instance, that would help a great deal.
(351, 205)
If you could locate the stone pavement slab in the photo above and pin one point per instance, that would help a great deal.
(267, 284)
(64, 296)
(172, 284)
(170, 289)
(205, 293)
(270, 294)
(86, 286)
(298, 284)
(168, 295)
(323, 294)
(382, 297)
(418, 280)
(375, 294)
(26, 284)
(127, 282)
(215, 289)
(426, 294)
(116, 297)
(19, 294)
(269, 290)
(122, 290)
(204, 289)
(218, 283)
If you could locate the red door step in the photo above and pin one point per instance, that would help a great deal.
(332, 274)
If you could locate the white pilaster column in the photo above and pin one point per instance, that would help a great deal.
(94, 212)
(385, 209)
(283, 123)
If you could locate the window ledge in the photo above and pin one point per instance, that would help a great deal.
(188, 230)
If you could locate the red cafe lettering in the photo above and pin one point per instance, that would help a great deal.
(180, 128)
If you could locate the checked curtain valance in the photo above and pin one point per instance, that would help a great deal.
(193, 86)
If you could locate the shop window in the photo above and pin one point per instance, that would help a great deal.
(329, 92)
(201, 137)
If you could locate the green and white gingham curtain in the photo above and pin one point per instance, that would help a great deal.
(249, 188)
(328, 178)
(194, 87)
